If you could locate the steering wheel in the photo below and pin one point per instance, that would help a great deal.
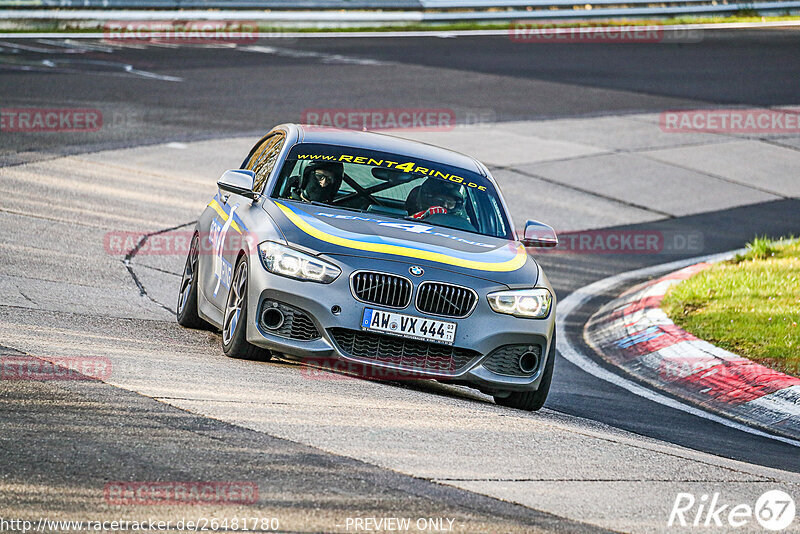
(450, 221)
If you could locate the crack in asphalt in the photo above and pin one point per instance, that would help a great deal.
(26, 297)
(718, 177)
(582, 190)
(642, 152)
(159, 270)
(135, 250)
(777, 143)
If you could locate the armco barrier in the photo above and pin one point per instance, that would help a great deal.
(383, 11)
(214, 4)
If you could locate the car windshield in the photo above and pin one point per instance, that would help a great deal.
(392, 185)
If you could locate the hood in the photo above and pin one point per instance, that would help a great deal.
(326, 230)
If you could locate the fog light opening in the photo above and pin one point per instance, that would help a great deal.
(528, 362)
(272, 318)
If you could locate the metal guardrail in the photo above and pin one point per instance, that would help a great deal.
(216, 4)
(637, 8)
(377, 11)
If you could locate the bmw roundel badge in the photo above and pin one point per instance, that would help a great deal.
(416, 271)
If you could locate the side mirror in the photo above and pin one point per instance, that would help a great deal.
(539, 235)
(239, 182)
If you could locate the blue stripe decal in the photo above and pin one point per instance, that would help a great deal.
(226, 208)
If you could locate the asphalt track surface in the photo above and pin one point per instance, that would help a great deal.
(227, 93)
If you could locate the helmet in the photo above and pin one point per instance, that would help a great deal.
(435, 192)
(309, 186)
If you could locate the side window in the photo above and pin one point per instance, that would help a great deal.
(263, 160)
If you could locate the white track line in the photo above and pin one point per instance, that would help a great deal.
(571, 353)
(419, 33)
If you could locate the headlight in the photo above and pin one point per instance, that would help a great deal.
(285, 261)
(531, 303)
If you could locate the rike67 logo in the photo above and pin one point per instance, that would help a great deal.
(774, 511)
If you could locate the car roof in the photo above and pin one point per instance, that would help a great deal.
(385, 143)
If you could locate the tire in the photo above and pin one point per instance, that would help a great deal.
(186, 310)
(234, 320)
(532, 401)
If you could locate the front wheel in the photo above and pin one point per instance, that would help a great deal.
(234, 321)
(186, 311)
(532, 401)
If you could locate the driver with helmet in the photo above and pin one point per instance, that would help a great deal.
(320, 182)
(434, 197)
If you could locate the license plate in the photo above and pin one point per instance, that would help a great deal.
(400, 324)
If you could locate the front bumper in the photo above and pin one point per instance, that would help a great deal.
(483, 331)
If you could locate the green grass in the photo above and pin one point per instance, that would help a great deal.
(749, 305)
(458, 26)
(93, 27)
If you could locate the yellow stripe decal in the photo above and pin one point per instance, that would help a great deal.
(214, 205)
(511, 265)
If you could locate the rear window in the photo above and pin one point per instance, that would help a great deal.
(392, 185)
